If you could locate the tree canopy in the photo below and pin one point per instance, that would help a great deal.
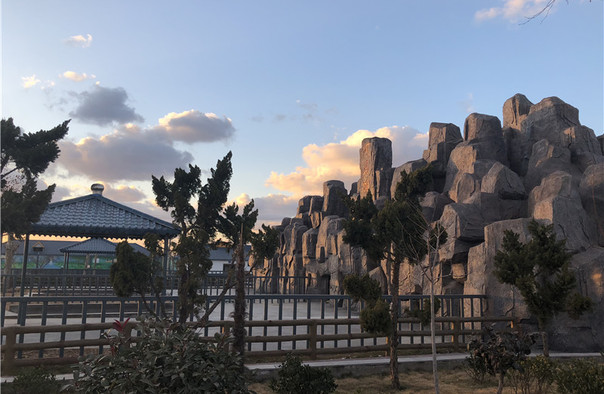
(396, 233)
(540, 270)
(199, 224)
(24, 157)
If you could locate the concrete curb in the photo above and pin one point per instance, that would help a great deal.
(361, 366)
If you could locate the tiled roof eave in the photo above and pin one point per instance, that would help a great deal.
(101, 232)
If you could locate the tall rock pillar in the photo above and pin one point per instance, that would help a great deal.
(376, 168)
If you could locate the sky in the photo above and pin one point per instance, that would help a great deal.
(291, 88)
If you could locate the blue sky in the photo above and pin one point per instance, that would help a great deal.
(290, 87)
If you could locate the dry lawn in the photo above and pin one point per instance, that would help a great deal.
(453, 381)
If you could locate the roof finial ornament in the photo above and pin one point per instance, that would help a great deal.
(97, 188)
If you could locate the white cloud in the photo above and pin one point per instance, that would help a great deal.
(79, 41)
(132, 153)
(76, 77)
(272, 208)
(467, 105)
(128, 153)
(341, 160)
(195, 126)
(30, 82)
(512, 10)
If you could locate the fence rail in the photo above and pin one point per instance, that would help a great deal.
(96, 282)
(310, 337)
(48, 310)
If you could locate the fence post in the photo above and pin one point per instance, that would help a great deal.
(456, 333)
(312, 342)
(9, 350)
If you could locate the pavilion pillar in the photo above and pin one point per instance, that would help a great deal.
(22, 306)
(165, 262)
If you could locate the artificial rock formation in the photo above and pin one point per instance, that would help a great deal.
(538, 163)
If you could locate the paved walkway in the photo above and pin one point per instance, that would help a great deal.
(362, 366)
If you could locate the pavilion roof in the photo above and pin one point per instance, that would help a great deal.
(99, 217)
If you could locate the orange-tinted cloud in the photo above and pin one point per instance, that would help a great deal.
(341, 160)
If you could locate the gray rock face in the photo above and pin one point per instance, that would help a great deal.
(584, 334)
(504, 183)
(485, 130)
(546, 158)
(433, 205)
(408, 167)
(546, 120)
(591, 190)
(443, 138)
(463, 222)
(333, 203)
(542, 164)
(557, 201)
(515, 110)
(504, 300)
(376, 167)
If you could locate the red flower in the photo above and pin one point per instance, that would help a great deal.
(119, 326)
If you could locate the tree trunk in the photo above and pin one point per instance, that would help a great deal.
(183, 295)
(545, 340)
(239, 312)
(394, 312)
(433, 335)
(500, 383)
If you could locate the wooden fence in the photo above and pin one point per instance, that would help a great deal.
(96, 282)
(310, 337)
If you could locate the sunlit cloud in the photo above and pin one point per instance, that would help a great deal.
(29, 82)
(195, 126)
(512, 10)
(79, 41)
(341, 160)
(272, 208)
(77, 77)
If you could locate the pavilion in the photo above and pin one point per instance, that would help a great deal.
(94, 216)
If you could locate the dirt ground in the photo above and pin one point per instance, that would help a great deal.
(452, 381)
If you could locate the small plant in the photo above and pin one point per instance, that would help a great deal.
(533, 376)
(375, 316)
(297, 378)
(580, 376)
(35, 381)
(500, 352)
(165, 358)
(423, 314)
(475, 367)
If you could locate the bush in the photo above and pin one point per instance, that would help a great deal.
(500, 352)
(34, 381)
(423, 314)
(296, 378)
(580, 376)
(475, 367)
(533, 376)
(165, 358)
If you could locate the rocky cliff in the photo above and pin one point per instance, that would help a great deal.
(540, 163)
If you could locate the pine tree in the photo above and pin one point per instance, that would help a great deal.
(199, 225)
(396, 233)
(24, 157)
(540, 270)
(237, 228)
